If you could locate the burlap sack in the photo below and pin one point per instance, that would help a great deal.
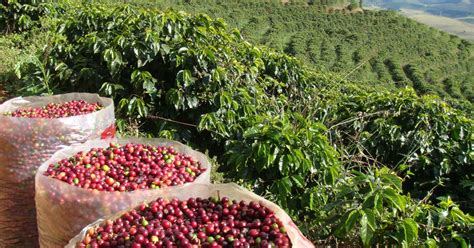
(231, 190)
(63, 209)
(25, 143)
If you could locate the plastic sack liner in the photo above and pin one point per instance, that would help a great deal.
(231, 190)
(25, 143)
(63, 209)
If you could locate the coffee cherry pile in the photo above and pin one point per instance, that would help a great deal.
(57, 110)
(126, 168)
(192, 223)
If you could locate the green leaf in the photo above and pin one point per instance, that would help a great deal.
(310, 201)
(142, 109)
(410, 230)
(330, 175)
(183, 49)
(284, 185)
(187, 80)
(281, 163)
(251, 132)
(369, 201)
(122, 103)
(359, 177)
(378, 202)
(192, 101)
(113, 59)
(299, 180)
(60, 67)
(18, 67)
(394, 198)
(392, 179)
(106, 89)
(369, 213)
(149, 86)
(347, 222)
(165, 49)
(367, 227)
(110, 89)
(174, 97)
(132, 106)
(462, 242)
(431, 243)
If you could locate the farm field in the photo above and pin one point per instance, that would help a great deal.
(447, 8)
(450, 25)
(462, 26)
(379, 48)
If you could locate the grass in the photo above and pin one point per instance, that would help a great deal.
(8, 56)
(15, 48)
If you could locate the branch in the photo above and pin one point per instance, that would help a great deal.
(170, 120)
(357, 118)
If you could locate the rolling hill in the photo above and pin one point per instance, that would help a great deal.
(382, 48)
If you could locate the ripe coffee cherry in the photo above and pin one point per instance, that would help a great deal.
(127, 168)
(57, 110)
(190, 231)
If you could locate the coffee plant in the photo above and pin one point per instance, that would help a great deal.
(423, 138)
(21, 15)
(369, 209)
(341, 159)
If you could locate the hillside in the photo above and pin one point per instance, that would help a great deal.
(454, 26)
(380, 47)
(463, 9)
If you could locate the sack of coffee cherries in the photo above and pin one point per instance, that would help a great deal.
(201, 215)
(85, 182)
(31, 130)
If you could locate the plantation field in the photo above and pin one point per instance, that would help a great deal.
(358, 125)
(379, 48)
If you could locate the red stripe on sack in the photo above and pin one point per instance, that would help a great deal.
(108, 132)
